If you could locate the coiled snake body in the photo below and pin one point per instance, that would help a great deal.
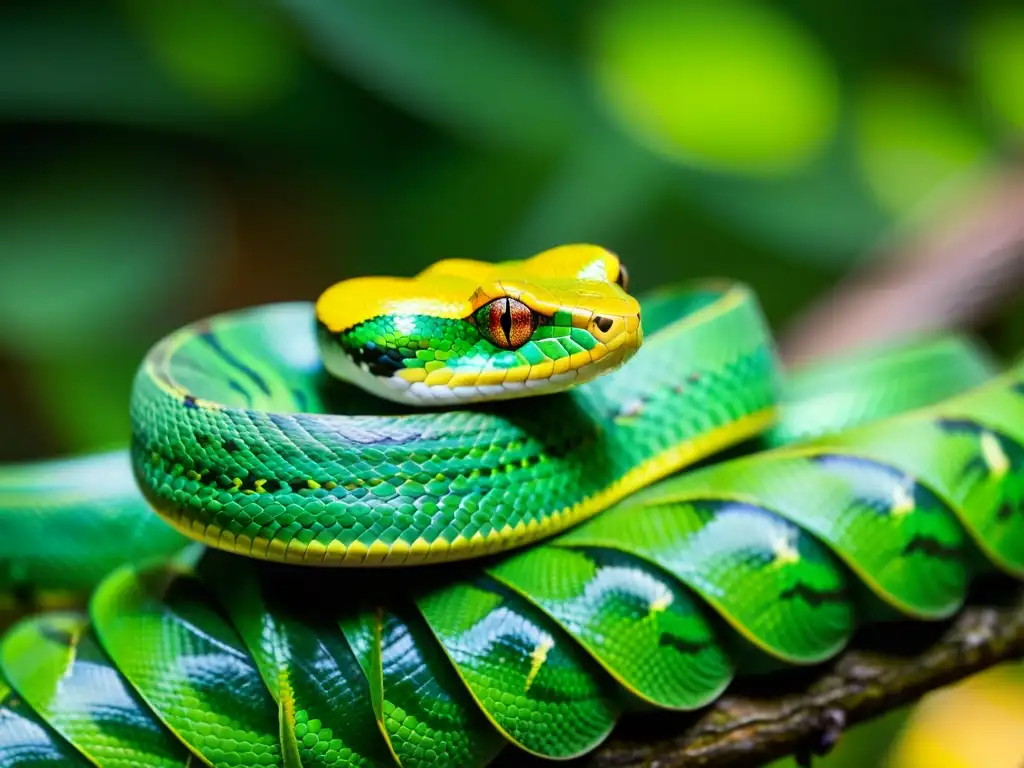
(245, 440)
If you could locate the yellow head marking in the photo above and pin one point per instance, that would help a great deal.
(995, 457)
(902, 501)
(785, 551)
(537, 659)
(661, 602)
(454, 288)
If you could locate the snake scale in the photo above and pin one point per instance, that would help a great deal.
(487, 406)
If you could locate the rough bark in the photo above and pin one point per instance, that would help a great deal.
(806, 714)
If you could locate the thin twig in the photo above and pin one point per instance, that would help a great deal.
(955, 267)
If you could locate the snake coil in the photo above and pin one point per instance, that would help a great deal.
(661, 600)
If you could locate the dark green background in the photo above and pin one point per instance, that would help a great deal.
(162, 161)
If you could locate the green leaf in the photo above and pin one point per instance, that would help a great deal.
(604, 185)
(996, 54)
(91, 247)
(819, 214)
(232, 54)
(692, 80)
(913, 139)
(82, 63)
(448, 65)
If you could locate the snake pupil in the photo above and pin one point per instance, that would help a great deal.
(506, 323)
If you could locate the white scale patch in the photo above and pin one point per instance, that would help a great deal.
(441, 393)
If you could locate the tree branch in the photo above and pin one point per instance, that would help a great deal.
(751, 727)
(956, 266)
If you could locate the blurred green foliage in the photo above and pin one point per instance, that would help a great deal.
(163, 161)
(168, 160)
(677, 75)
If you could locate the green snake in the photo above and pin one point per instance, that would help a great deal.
(395, 424)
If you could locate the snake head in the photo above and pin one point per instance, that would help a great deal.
(466, 331)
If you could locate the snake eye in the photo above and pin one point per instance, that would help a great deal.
(506, 323)
(623, 279)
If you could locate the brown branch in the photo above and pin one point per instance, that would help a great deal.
(956, 266)
(753, 728)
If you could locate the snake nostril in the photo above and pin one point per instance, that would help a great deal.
(604, 324)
